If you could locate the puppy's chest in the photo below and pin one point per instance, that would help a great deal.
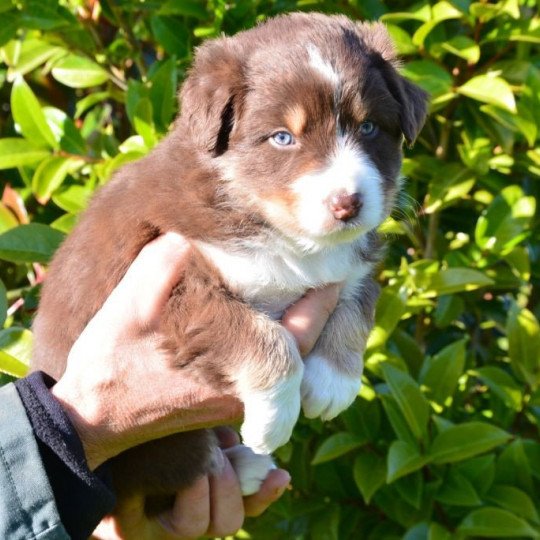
(272, 279)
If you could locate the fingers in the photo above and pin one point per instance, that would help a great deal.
(226, 504)
(212, 506)
(306, 319)
(227, 436)
(148, 282)
(272, 489)
(190, 516)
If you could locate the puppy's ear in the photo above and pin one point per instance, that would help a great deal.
(412, 99)
(210, 98)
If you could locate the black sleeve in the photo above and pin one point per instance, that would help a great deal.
(82, 497)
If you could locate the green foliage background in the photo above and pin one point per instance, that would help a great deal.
(442, 441)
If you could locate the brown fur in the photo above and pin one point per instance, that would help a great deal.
(238, 91)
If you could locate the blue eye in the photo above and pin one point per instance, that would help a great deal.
(368, 128)
(283, 138)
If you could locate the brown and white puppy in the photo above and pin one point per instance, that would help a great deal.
(284, 160)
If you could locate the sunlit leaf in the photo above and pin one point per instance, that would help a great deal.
(336, 445)
(79, 72)
(19, 152)
(490, 89)
(34, 242)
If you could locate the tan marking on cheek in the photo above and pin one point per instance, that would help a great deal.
(281, 210)
(296, 119)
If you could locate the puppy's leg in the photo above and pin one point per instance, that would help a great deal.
(334, 368)
(268, 383)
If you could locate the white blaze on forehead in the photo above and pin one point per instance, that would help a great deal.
(349, 171)
(321, 65)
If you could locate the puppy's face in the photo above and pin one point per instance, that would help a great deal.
(311, 133)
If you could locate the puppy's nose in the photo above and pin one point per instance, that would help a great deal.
(345, 207)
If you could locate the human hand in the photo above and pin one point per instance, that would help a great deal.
(213, 506)
(118, 387)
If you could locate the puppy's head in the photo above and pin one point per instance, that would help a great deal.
(304, 117)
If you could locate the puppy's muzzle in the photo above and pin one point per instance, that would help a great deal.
(345, 207)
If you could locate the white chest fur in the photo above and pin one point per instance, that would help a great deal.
(272, 277)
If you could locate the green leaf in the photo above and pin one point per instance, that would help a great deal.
(16, 152)
(390, 307)
(79, 72)
(411, 488)
(369, 473)
(480, 471)
(12, 366)
(449, 308)
(490, 89)
(453, 280)
(466, 440)
(409, 398)
(402, 40)
(432, 78)
(172, 34)
(514, 467)
(441, 372)
(501, 384)
(3, 303)
(29, 116)
(33, 53)
(397, 420)
(438, 532)
(495, 523)
(456, 490)
(336, 445)
(10, 25)
(50, 174)
(403, 459)
(144, 123)
(163, 93)
(65, 131)
(72, 198)
(504, 223)
(523, 333)
(7, 218)
(17, 342)
(34, 242)
(464, 47)
(65, 223)
(188, 8)
(514, 500)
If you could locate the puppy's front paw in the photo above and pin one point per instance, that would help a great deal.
(270, 415)
(251, 468)
(325, 391)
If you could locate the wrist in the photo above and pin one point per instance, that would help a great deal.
(83, 411)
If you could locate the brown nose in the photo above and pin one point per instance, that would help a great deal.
(346, 207)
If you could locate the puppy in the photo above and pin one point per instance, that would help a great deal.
(282, 163)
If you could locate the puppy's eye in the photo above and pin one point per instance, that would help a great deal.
(282, 138)
(368, 128)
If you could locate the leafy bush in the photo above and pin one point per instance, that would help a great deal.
(442, 441)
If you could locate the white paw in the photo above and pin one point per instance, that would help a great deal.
(251, 468)
(270, 415)
(325, 391)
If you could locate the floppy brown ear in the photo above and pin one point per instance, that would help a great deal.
(414, 102)
(210, 96)
(412, 99)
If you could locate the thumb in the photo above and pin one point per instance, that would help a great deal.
(141, 295)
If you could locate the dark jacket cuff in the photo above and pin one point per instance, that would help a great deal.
(82, 497)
